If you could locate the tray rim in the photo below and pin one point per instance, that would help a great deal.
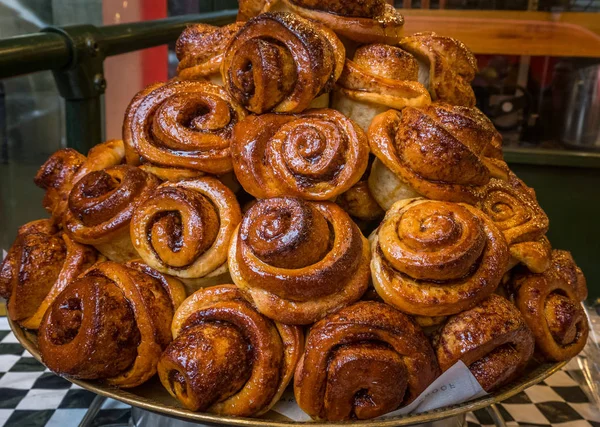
(132, 399)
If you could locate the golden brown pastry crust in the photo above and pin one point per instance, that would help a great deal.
(432, 258)
(281, 62)
(38, 266)
(443, 152)
(226, 358)
(182, 124)
(359, 202)
(112, 323)
(297, 261)
(452, 66)
(184, 228)
(362, 362)
(315, 155)
(551, 305)
(492, 339)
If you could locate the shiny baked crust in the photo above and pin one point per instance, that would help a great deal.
(450, 67)
(182, 124)
(315, 155)
(226, 358)
(281, 62)
(362, 362)
(432, 258)
(112, 323)
(551, 305)
(297, 261)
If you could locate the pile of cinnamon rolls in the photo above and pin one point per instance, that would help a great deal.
(314, 200)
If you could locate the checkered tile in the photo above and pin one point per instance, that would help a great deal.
(31, 396)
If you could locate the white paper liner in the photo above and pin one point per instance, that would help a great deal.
(456, 385)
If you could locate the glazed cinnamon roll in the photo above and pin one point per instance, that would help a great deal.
(112, 323)
(551, 305)
(200, 49)
(378, 77)
(439, 151)
(315, 155)
(226, 358)
(184, 229)
(358, 201)
(281, 62)
(446, 67)
(297, 261)
(515, 211)
(38, 266)
(433, 258)
(182, 124)
(101, 205)
(492, 339)
(362, 362)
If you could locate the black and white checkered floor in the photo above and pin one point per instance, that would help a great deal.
(31, 396)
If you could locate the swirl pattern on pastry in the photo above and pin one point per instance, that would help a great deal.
(226, 358)
(281, 62)
(315, 155)
(362, 362)
(112, 323)
(184, 228)
(551, 305)
(448, 67)
(38, 266)
(183, 124)
(101, 205)
(492, 339)
(297, 261)
(440, 151)
(433, 258)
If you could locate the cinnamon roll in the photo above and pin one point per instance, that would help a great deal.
(297, 261)
(315, 155)
(101, 205)
(362, 362)
(281, 62)
(182, 124)
(200, 49)
(358, 201)
(226, 358)
(492, 339)
(438, 151)
(433, 258)
(184, 228)
(551, 306)
(378, 77)
(112, 323)
(515, 211)
(446, 67)
(38, 266)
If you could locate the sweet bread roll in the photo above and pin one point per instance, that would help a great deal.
(182, 124)
(551, 305)
(314, 155)
(66, 166)
(446, 67)
(200, 49)
(101, 205)
(432, 258)
(184, 228)
(297, 261)
(515, 211)
(112, 323)
(492, 339)
(439, 151)
(377, 78)
(362, 362)
(226, 358)
(281, 62)
(38, 266)
(359, 203)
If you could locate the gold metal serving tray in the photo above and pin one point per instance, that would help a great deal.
(152, 396)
